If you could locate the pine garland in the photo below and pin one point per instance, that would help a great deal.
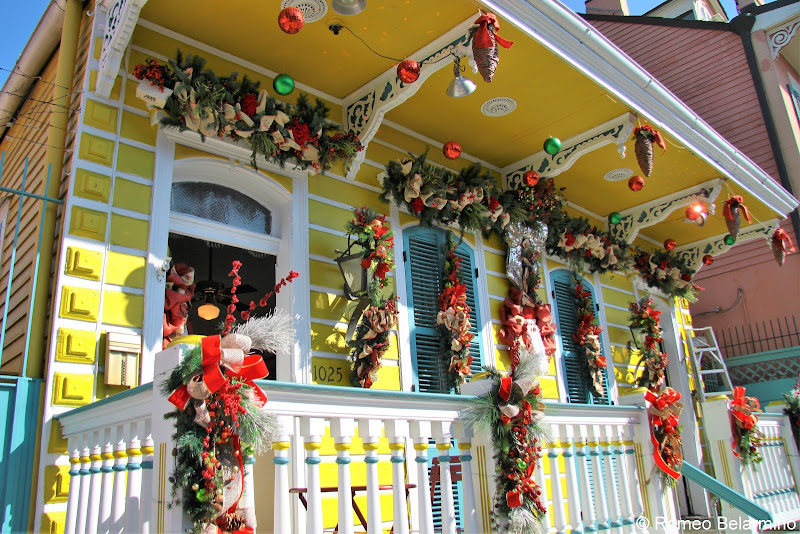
(587, 336)
(792, 409)
(647, 333)
(453, 319)
(224, 106)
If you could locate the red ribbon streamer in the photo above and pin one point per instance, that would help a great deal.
(483, 36)
(735, 201)
(660, 462)
(782, 240)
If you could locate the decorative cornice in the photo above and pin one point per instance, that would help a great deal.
(780, 37)
(365, 108)
(655, 211)
(615, 131)
(692, 254)
(120, 20)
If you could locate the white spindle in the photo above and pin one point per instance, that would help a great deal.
(83, 496)
(626, 504)
(600, 499)
(421, 433)
(312, 429)
(570, 470)
(107, 484)
(612, 486)
(556, 492)
(546, 525)
(281, 506)
(584, 461)
(73, 498)
(469, 514)
(95, 481)
(397, 433)
(120, 467)
(148, 456)
(134, 489)
(442, 433)
(343, 430)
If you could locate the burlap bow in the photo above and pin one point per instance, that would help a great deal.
(664, 411)
(413, 187)
(379, 320)
(744, 409)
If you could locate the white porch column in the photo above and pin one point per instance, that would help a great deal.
(312, 430)
(370, 431)
(397, 433)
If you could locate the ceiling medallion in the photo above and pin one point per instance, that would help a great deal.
(617, 175)
(313, 10)
(497, 107)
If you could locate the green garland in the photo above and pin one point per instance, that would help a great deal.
(472, 200)
(792, 409)
(453, 320)
(646, 334)
(223, 106)
(371, 340)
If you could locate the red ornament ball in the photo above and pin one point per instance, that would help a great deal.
(291, 20)
(708, 259)
(408, 71)
(451, 150)
(694, 211)
(670, 244)
(531, 178)
(636, 183)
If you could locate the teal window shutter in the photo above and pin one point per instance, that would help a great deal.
(576, 372)
(424, 267)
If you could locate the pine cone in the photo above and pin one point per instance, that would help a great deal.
(735, 224)
(487, 60)
(779, 253)
(644, 153)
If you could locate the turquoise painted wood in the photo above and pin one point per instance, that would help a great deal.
(19, 414)
(766, 375)
(734, 498)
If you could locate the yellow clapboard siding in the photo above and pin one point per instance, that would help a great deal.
(331, 307)
(325, 244)
(494, 262)
(614, 315)
(617, 298)
(617, 334)
(497, 286)
(331, 188)
(138, 128)
(617, 280)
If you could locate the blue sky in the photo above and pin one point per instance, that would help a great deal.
(21, 16)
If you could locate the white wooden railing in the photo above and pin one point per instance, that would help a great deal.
(594, 473)
(772, 483)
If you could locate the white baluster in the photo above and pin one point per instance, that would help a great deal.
(107, 481)
(120, 467)
(595, 456)
(95, 481)
(83, 503)
(573, 490)
(148, 455)
(342, 431)
(421, 433)
(556, 492)
(73, 498)
(441, 432)
(397, 432)
(546, 525)
(370, 431)
(312, 429)
(612, 486)
(281, 505)
(583, 461)
(626, 504)
(134, 486)
(469, 513)
(633, 478)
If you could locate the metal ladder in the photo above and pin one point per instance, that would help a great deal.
(708, 365)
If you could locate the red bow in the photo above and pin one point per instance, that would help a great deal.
(483, 36)
(736, 201)
(782, 240)
(744, 409)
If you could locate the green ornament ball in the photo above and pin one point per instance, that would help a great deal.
(201, 495)
(283, 84)
(729, 239)
(521, 464)
(552, 145)
(615, 217)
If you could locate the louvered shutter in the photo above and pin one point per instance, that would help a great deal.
(424, 273)
(467, 276)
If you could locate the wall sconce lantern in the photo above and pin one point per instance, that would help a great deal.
(356, 277)
(123, 352)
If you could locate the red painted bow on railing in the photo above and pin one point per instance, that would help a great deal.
(483, 36)
(665, 410)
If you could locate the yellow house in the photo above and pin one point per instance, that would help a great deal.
(101, 201)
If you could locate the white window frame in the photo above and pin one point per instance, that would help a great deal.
(3, 222)
(288, 239)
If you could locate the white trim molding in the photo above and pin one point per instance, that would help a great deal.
(120, 20)
(778, 38)
(655, 211)
(692, 254)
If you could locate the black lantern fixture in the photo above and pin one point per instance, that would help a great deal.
(356, 277)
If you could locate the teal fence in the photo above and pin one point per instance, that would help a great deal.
(766, 375)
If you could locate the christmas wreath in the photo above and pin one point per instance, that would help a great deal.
(666, 272)
(746, 436)
(587, 336)
(200, 101)
(453, 319)
(664, 410)
(647, 334)
(587, 248)
(368, 230)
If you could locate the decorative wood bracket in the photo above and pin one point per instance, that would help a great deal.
(781, 37)
(692, 254)
(121, 17)
(614, 131)
(364, 109)
(655, 211)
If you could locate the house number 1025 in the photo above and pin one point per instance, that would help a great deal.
(327, 373)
